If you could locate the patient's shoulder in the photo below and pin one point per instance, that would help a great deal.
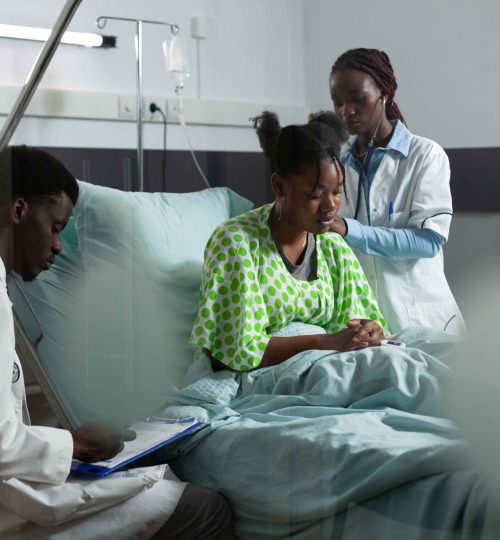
(334, 247)
(332, 240)
(243, 229)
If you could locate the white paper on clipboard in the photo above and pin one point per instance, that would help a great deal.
(151, 434)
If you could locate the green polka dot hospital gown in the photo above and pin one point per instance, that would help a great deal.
(247, 292)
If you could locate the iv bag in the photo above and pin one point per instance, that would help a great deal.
(176, 60)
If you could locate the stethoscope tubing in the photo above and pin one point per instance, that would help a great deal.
(365, 165)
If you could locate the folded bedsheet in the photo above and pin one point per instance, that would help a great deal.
(336, 445)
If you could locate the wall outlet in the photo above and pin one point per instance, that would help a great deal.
(127, 107)
(160, 102)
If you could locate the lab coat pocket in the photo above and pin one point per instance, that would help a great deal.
(397, 220)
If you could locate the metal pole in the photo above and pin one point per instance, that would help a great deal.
(139, 97)
(23, 345)
(37, 72)
(101, 23)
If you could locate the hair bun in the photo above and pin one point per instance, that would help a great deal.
(331, 120)
(293, 146)
(267, 126)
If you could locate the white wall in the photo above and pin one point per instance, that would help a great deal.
(446, 56)
(274, 52)
(254, 54)
(279, 52)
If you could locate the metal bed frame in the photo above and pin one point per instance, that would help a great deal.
(24, 347)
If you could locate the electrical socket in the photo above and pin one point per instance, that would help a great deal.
(160, 102)
(127, 108)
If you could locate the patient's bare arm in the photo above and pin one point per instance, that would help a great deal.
(360, 333)
(280, 349)
(95, 441)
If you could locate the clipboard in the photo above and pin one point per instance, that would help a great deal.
(152, 433)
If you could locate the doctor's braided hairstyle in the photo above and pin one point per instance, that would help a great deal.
(376, 64)
(292, 147)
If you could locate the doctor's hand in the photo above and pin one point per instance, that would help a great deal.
(95, 441)
(338, 226)
(368, 332)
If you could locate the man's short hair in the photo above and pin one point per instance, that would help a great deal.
(32, 173)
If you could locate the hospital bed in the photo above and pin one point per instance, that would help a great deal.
(310, 449)
(350, 446)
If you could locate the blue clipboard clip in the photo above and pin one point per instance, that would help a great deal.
(162, 420)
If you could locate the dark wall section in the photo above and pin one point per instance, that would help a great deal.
(247, 173)
(474, 173)
(475, 179)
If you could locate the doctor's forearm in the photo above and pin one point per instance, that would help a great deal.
(409, 243)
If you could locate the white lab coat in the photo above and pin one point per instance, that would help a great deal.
(409, 291)
(38, 500)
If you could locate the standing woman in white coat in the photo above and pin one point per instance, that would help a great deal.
(397, 210)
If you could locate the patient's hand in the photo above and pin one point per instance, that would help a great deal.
(95, 441)
(343, 340)
(368, 332)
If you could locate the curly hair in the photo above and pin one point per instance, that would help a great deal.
(32, 173)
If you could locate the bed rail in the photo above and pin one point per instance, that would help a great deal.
(37, 72)
(24, 347)
(27, 352)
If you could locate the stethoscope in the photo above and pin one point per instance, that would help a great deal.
(363, 177)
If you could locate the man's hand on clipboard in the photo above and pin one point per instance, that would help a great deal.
(96, 441)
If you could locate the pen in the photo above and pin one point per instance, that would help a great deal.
(391, 210)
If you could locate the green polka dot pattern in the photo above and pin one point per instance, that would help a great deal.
(247, 293)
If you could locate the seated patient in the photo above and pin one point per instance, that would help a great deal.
(280, 263)
(38, 500)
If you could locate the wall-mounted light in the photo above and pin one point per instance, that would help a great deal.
(70, 38)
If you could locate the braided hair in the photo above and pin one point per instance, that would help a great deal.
(292, 147)
(376, 64)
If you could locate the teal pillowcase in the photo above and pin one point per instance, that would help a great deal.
(122, 301)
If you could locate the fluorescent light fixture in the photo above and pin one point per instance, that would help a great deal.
(70, 38)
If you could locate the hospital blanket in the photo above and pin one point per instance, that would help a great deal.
(335, 445)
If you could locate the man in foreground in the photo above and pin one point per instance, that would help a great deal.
(37, 195)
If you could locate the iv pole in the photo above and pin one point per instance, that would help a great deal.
(101, 23)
